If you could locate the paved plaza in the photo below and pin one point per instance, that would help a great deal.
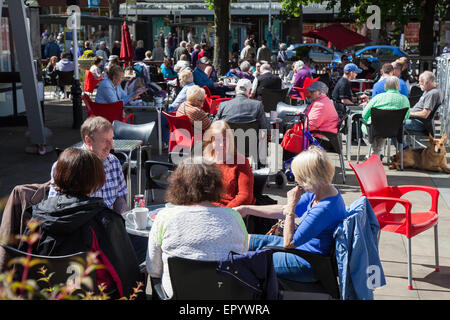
(18, 167)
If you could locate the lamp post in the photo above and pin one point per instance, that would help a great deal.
(269, 28)
(74, 22)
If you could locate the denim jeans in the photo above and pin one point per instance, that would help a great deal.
(165, 133)
(287, 266)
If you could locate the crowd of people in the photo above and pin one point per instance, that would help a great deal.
(208, 197)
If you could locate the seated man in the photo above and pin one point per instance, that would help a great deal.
(201, 78)
(242, 108)
(342, 93)
(430, 99)
(265, 80)
(97, 135)
(388, 69)
(392, 99)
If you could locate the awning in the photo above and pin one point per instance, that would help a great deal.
(338, 35)
(85, 20)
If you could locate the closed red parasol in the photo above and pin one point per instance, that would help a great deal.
(126, 46)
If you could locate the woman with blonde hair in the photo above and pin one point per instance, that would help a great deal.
(319, 205)
(192, 107)
(219, 147)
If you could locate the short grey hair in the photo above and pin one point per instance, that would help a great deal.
(428, 77)
(243, 86)
(265, 67)
(244, 66)
(392, 82)
(183, 44)
(298, 65)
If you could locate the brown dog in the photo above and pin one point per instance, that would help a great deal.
(433, 158)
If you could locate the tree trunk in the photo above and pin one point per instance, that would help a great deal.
(426, 33)
(114, 29)
(222, 35)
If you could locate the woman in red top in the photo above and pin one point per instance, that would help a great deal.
(237, 175)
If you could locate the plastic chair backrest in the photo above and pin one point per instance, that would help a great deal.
(203, 282)
(179, 137)
(110, 111)
(90, 83)
(271, 97)
(387, 123)
(207, 91)
(127, 131)
(371, 176)
(61, 266)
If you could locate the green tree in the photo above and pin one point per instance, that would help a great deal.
(399, 11)
(114, 29)
(222, 21)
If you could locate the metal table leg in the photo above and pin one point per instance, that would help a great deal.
(159, 130)
(139, 169)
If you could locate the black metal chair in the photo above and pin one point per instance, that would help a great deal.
(428, 124)
(64, 268)
(414, 95)
(385, 124)
(127, 131)
(199, 280)
(65, 78)
(246, 148)
(325, 269)
(271, 97)
(156, 174)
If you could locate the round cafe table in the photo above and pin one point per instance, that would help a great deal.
(131, 228)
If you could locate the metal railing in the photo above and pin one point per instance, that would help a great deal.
(443, 82)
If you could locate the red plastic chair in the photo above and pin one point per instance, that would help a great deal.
(373, 182)
(303, 93)
(216, 103)
(208, 93)
(109, 111)
(181, 131)
(90, 83)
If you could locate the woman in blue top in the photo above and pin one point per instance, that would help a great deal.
(317, 203)
(110, 90)
(167, 69)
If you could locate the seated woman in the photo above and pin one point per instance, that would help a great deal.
(182, 64)
(192, 107)
(321, 112)
(237, 176)
(186, 79)
(211, 71)
(319, 205)
(191, 226)
(51, 76)
(73, 222)
(95, 68)
(110, 90)
(167, 70)
(301, 72)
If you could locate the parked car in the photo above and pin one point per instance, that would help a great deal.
(372, 53)
(317, 52)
